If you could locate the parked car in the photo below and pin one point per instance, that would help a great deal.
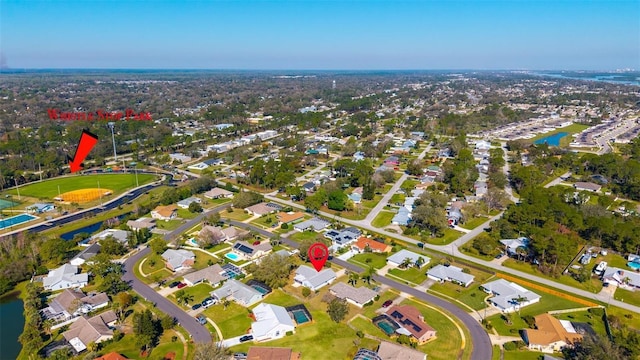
(257, 242)
(196, 306)
(240, 356)
(208, 302)
(387, 303)
(420, 245)
(246, 338)
(174, 284)
(201, 319)
(499, 255)
(181, 285)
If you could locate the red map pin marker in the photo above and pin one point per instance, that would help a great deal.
(318, 255)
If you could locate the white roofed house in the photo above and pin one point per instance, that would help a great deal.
(71, 303)
(142, 223)
(621, 278)
(314, 280)
(512, 245)
(239, 292)
(356, 296)
(272, 322)
(401, 256)
(315, 224)
(249, 251)
(177, 260)
(64, 277)
(213, 274)
(120, 235)
(454, 274)
(217, 193)
(184, 204)
(509, 296)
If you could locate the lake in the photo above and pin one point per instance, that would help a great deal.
(11, 326)
(552, 140)
(89, 229)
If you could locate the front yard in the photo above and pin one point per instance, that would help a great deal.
(370, 259)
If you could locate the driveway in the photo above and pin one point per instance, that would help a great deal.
(227, 343)
(198, 332)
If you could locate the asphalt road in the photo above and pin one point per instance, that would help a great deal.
(198, 332)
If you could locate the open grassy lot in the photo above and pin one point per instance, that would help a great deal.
(474, 223)
(305, 235)
(564, 142)
(186, 214)
(631, 297)
(414, 275)
(48, 189)
(593, 285)
(168, 225)
(449, 236)
(199, 292)
(279, 297)
(152, 263)
(471, 296)
(203, 260)
(232, 321)
(523, 355)
(383, 219)
(236, 214)
(397, 198)
(370, 259)
(127, 347)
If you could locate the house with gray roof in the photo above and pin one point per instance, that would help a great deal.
(625, 279)
(314, 280)
(86, 254)
(402, 217)
(398, 258)
(71, 303)
(217, 193)
(343, 237)
(356, 296)
(506, 295)
(177, 260)
(249, 251)
(454, 274)
(184, 204)
(142, 223)
(90, 330)
(120, 235)
(512, 245)
(315, 224)
(65, 277)
(239, 292)
(213, 274)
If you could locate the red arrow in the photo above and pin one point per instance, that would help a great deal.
(87, 142)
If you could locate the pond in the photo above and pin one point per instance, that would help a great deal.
(11, 326)
(552, 140)
(89, 229)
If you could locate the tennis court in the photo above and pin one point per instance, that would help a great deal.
(4, 204)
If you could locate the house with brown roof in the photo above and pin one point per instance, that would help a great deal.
(72, 303)
(375, 246)
(263, 208)
(271, 353)
(87, 330)
(391, 351)
(587, 186)
(111, 356)
(217, 193)
(356, 296)
(165, 213)
(412, 322)
(550, 334)
(290, 217)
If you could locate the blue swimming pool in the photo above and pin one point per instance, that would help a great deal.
(231, 256)
(552, 140)
(15, 220)
(633, 265)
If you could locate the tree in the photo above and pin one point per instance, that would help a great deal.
(146, 328)
(337, 309)
(112, 284)
(420, 262)
(195, 207)
(55, 249)
(121, 302)
(183, 297)
(415, 168)
(210, 351)
(306, 244)
(353, 278)
(594, 347)
(246, 198)
(212, 219)
(519, 300)
(273, 270)
(368, 190)
(484, 244)
(112, 246)
(158, 245)
(406, 263)
(167, 322)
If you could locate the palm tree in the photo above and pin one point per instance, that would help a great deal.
(406, 262)
(353, 278)
(368, 274)
(419, 262)
(519, 300)
(225, 303)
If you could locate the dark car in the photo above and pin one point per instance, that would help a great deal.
(257, 242)
(181, 285)
(240, 356)
(387, 303)
(201, 319)
(246, 338)
(174, 284)
(420, 245)
(499, 255)
(196, 306)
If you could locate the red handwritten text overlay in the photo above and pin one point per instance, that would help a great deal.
(55, 114)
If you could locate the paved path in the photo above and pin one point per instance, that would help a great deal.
(198, 332)
(557, 180)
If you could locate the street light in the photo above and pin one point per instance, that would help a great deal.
(111, 125)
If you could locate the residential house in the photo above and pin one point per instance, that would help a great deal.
(366, 354)
(355, 197)
(358, 156)
(142, 223)
(121, 235)
(92, 330)
(71, 303)
(111, 356)
(213, 162)
(391, 351)
(213, 274)
(343, 237)
(509, 296)
(65, 277)
(356, 296)
(86, 254)
(315, 224)
(550, 334)
(272, 322)
(402, 217)
(411, 322)
(375, 246)
(314, 280)
(177, 260)
(40, 208)
(239, 292)
(271, 353)
(398, 259)
(184, 204)
(165, 213)
(217, 193)
(621, 278)
(289, 218)
(182, 158)
(483, 145)
(221, 234)
(454, 274)
(454, 215)
(392, 161)
(309, 186)
(512, 245)
(263, 208)
(587, 186)
(249, 251)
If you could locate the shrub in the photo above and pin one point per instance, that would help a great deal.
(510, 346)
(376, 298)
(359, 334)
(289, 333)
(306, 291)
(284, 226)
(599, 312)
(530, 320)
(174, 338)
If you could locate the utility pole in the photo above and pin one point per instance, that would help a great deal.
(111, 125)
(17, 187)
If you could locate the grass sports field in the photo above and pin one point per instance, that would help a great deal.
(115, 182)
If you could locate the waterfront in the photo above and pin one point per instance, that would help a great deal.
(552, 140)
(11, 325)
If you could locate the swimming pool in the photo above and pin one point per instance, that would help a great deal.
(193, 242)
(300, 316)
(15, 220)
(385, 324)
(633, 265)
(231, 256)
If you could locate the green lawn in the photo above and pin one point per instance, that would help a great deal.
(152, 263)
(278, 297)
(383, 219)
(237, 214)
(370, 311)
(305, 235)
(366, 326)
(397, 198)
(471, 296)
(115, 182)
(473, 223)
(186, 214)
(593, 285)
(168, 225)
(523, 355)
(233, 321)
(597, 323)
(199, 291)
(631, 297)
(203, 260)
(414, 275)
(127, 347)
(370, 259)
(449, 236)
(216, 202)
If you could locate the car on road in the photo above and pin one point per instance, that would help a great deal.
(174, 284)
(246, 338)
(196, 306)
(181, 285)
(387, 303)
(201, 319)
(207, 302)
(240, 356)
(420, 245)
(500, 255)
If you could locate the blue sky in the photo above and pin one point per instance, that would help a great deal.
(306, 34)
